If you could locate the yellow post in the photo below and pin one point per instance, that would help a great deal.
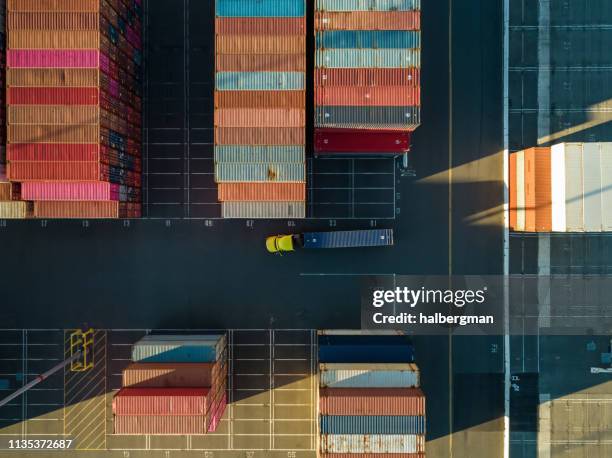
(82, 341)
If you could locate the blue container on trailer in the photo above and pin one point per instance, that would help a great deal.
(260, 8)
(372, 424)
(364, 39)
(348, 239)
(367, 5)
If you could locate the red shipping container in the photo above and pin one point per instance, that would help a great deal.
(43, 171)
(394, 96)
(361, 141)
(371, 401)
(367, 77)
(160, 401)
(174, 424)
(52, 96)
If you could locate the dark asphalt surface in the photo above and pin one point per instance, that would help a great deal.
(199, 274)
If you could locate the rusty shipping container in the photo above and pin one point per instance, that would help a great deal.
(52, 21)
(260, 44)
(53, 39)
(53, 5)
(368, 95)
(367, 77)
(86, 209)
(367, 20)
(371, 401)
(275, 26)
(160, 401)
(259, 62)
(260, 99)
(260, 136)
(262, 192)
(260, 117)
(52, 77)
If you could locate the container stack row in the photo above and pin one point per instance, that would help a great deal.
(174, 385)
(260, 98)
(563, 188)
(74, 106)
(367, 76)
(370, 403)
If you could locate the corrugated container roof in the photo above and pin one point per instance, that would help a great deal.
(387, 96)
(260, 8)
(367, 58)
(371, 455)
(160, 401)
(260, 44)
(260, 26)
(86, 209)
(260, 136)
(358, 375)
(258, 192)
(372, 443)
(260, 99)
(366, 117)
(169, 424)
(265, 154)
(367, 5)
(53, 5)
(178, 351)
(53, 21)
(269, 210)
(166, 375)
(260, 172)
(368, 20)
(255, 62)
(367, 77)
(260, 117)
(49, 77)
(371, 401)
(364, 39)
(372, 424)
(260, 81)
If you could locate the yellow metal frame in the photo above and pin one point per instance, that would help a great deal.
(82, 341)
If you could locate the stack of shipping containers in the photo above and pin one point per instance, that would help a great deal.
(10, 204)
(74, 106)
(367, 76)
(370, 402)
(563, 188)
(175, 385)
(260, 102)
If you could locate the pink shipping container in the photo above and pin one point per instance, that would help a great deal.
(36, 58)
(34, 190)
(218, 414)
(160, 401)
(169, 424)
(370, 401)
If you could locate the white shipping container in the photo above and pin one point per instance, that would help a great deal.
(343, 375)
(268, 210)
(592, 187)
(271, 172)
(372, 443)
(606, 186)
(557, 176)
(574, 203)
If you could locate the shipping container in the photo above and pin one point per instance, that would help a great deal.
(217, 415)
(86, 209)
(368, 117)
(512, 192)
(371, 455)
(43, 58)
(54, 5)
(346, 239)
(52, 77)
(262, 192)
(265, 210)
(260, 99)
(367, 5)
(260, 172)
(35, 152)
(260, 136)
(257, 62)
(372, 443)
(367, 58)
(260, 117)
(367, 39)
(367, 20)
(169, 424)
(53, 114)
(160, 401)
(394, 96)
(266, 154)
(371, 401)
(260, 8)
(260, 26)
(372, 424)
(10, 191)
(53, 96)
(260, 44)
(52, 21)
(362, 375)
(166, 375)
(16, 210)
(361, 141)
(182, 349)
(520, 191)
(404, 77)
(36, 190)
(260, 81)
(53, 39)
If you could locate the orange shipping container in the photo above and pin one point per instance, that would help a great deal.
(260, 62)
(256, 44)
(260, 136)
(53, 114)
(52, 171)
(53, 21)
(512, 191)
(54, 39)
(84, 209)
(52, 77)
(371, 401)
(367, 20)
(262, 192)
(53, 5)
(260, 26)
(260, 99)
(260, 117)
(538, 198)
(368, 95)
(32, 133)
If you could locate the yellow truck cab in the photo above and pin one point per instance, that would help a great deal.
(281, 243)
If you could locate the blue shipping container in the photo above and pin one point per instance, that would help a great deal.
(259, 81)
(367, 58)
(366, 354)
(363, 39)
(348, 239)
(368, 5)
(178, 354)
(260, 8)
(372, 424)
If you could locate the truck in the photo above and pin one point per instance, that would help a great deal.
(335, 239)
